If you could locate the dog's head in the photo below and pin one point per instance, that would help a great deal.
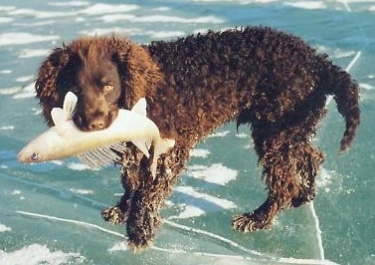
(106, 73)
(98, 88)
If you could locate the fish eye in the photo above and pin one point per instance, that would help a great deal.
(34, 156)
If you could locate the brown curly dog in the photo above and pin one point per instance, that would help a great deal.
(258, 76)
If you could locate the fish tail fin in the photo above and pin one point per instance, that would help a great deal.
(159, 147)
(142, 145)
(70, 103)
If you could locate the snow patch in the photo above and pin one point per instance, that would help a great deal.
(199, 153)
(307, 4)
(5, 72)
(219, 202)
(26, 92)
(7, 128)
(99, 9)
(79, 166)
(162, 8)
(71, 3)
(242, 2)
(36, 254)
(16, 192)
(22, 38)
(4, 20)
(160, 19)
(4, 228)
(29, 53)
(38, 14)
(82, 191)
(7, 8)
(366, 86)
(216, 173)
(164, 34)
(25, 78)
(119, 246)
(188, 211)
(243, 135)
(324, 179)
(219, 134)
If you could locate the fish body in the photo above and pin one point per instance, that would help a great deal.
(95, 148)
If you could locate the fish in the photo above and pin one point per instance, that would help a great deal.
(96, 148)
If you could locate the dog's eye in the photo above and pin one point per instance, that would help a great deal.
(108, 88)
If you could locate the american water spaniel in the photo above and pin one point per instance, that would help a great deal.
(269, 80)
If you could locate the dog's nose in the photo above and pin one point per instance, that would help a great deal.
(97, 124)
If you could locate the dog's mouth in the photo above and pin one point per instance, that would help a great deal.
(96, 122)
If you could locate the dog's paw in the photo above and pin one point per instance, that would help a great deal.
(113, 215)
(249, 222)
(305, 196)
(139, 245)
(141, 237)
(141, 229)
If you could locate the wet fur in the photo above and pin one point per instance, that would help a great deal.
(271, 81)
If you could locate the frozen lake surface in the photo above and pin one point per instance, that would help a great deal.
(50, 213)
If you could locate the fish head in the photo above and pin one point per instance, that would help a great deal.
(28, 155)
(43, 147)
(38, 150)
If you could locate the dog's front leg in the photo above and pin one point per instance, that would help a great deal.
(144, 217)
(130, 179)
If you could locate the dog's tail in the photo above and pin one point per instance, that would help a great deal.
(345, 91)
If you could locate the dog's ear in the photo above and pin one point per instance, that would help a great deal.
(140, 75)
(55, 77)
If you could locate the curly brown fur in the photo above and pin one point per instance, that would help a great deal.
(258, 76)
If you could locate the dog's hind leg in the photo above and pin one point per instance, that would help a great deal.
(290, 165)
(308, 162)
(279, 172)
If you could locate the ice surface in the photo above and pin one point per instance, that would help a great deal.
(49, 214)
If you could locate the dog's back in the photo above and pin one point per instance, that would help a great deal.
(254, 75)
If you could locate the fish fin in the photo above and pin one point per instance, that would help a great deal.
(88, 159)
(140, 107)
(70, 103)
(142, 145)
(118, 147)
(160, 148)
(100, 157)
(58, 116)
